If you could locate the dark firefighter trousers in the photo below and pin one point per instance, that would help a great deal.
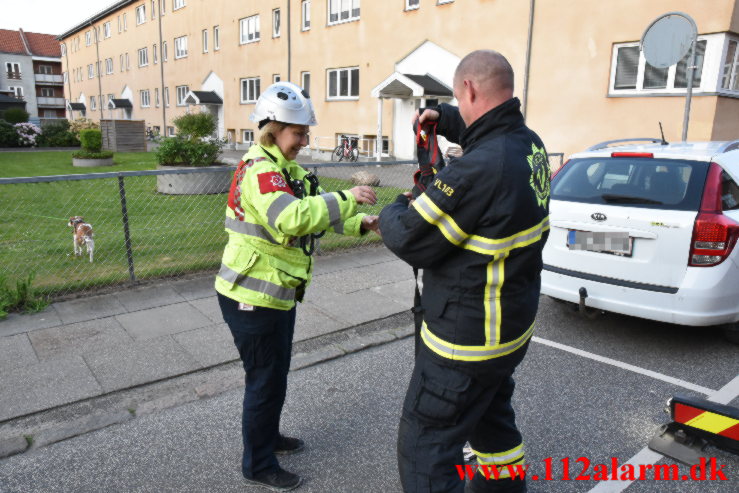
(263, 338)
(445, 407)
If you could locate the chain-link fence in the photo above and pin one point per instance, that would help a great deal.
(146, 224)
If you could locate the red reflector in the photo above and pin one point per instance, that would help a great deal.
(632, 154)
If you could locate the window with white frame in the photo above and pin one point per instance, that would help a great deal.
(442, 2)
(123, 67)
(412, 4)
(106, 30)
(166, 97)
(342, 11)
(216, 38)
(144, 97)
(730, 66)
(17, 90)
(143, 57)
(161, 4)
(155, 53)
(247, 137)
(276, 23)
(45, 69)
(120, 26)
(249, 28)
(275, 78)
(153, 10)
(250, 89)
(343, 83)
(88, 38)
(13, 69)
(156, 97)
(305, 82)
(632, 75)
(47, 92)
(63, 49)
(108, 65)
(205, 41)
(164, 51)
(178, 4)
(90, 71)
(128, 62)
(93, 103)
(305, 15)
(181, 93)
(125, 22)
(140, 14)
(65, 77)
(170, 131)
(180, 47)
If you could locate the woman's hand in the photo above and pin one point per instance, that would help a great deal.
(371, 223)
(364, 195)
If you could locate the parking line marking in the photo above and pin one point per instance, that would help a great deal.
(625, 366)
(724, 395)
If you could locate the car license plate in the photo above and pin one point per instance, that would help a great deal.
(617, 243)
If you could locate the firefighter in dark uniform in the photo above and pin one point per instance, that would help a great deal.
(477, 232)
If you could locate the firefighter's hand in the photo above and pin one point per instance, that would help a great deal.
(427, 115)
(364, 195)
(371, 223)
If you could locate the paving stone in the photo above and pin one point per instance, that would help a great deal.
(354, 344)
(15, 352)
(404, 332)
(193, 289)
(365, 277)
(78, 338)
(209, 307)
(89, 308)
(166, 402)
(148, 297)
(45, 385)
(312, 322)
(401, 292)
(230, 381)
(332, 263)
(356, 308)
(155, 322)
(141, 362)
(373, 256)
(17, 323)
(326, 353)
(12, 445)
(210, 345)
(79, 426)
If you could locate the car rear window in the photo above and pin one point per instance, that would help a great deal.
(635, 182)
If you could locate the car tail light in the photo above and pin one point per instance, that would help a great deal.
(714, 234)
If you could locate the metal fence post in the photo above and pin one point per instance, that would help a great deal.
(126, 234)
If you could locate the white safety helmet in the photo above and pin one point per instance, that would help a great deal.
(284, 102)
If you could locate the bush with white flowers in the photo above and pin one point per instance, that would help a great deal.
(27, 134)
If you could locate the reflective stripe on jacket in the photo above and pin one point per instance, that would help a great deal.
(263, 264)
(478, 232)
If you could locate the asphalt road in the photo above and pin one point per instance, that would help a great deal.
(587, 388)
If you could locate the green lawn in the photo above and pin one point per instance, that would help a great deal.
(170, 235)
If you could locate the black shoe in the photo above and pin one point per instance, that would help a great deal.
(286, 445)
(277, 480)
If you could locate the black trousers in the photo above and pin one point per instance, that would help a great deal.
(445, 407)
(263, 338)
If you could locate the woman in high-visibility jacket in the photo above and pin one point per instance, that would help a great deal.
(275, 208)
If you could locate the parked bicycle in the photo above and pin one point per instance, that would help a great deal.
(347, 149)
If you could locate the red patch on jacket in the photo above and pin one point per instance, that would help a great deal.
(273, 182)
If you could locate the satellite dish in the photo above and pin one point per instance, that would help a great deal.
(668, 39)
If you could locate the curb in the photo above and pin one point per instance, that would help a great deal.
(44, 428)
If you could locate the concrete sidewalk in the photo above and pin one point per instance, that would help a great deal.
(78, 350)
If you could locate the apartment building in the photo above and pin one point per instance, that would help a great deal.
(369, 65)
(32, 72)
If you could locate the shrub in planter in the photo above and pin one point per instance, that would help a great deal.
(195, 126)
(8, 135)
(15, 115)
(57, 134)
(27, 134)
(92, 143)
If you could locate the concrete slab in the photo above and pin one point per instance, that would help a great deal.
(45, 385)
(89, 308)
(148, 297)
(79, 338)
(401, 292)
(312, 322)
(15, 352)
(333, 263)
(365, 277)
(373, 256)
(210, 345)
(156, 322)
(355, 308)
(138, 363)
(209, 307)
(16, 323)
(193, 289)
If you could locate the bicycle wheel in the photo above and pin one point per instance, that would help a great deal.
(354, 155)
(338, 153)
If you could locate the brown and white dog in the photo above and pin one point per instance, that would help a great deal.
(82, 235)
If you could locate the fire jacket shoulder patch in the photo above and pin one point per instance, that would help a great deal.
(273, 182)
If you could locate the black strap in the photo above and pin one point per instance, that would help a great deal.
(417, 311)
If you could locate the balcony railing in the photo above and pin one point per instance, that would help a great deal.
(49, 78)
(53, 102)
(14, 75)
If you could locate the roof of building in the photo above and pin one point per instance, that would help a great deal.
(77, 106)
(114, 104)
(203, 97)
(100, 15)
(431, 86)
(29, 44)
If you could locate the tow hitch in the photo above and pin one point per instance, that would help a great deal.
(584, 310)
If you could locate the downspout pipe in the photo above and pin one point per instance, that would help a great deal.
(161, 72)
(289, 44)
(527, 68)
(98, 67)
(69, 78)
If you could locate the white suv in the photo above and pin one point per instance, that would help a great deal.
(648, 230)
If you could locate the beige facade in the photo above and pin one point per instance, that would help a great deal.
(582, 86)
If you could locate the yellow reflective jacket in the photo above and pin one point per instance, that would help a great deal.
(263, 264)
